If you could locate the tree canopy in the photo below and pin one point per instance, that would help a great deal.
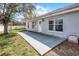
(9, 10)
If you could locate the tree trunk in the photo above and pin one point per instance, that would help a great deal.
(5, 28)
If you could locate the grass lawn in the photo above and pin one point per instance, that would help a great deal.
(15, 45)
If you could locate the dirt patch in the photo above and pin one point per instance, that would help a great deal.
(65, 49)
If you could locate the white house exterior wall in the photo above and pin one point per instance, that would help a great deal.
(70, 25)
(47, 31)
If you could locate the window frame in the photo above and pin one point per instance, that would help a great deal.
(54, 25)
(28, 25)
(33, 25)
(58, 19)
(51, 24)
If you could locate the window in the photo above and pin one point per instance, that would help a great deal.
(33, 24)
(59, 25)
(42, 19)
(28, 25)
(56, 25)
(39, 22)
(51, 25)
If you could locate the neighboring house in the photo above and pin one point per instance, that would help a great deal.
(61, 22)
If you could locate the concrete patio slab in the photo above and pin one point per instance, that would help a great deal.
(42, 43)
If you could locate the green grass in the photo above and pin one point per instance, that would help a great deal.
(13, 44)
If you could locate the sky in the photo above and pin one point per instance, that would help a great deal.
(42, 8)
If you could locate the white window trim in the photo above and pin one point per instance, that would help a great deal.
(33, 24)
(54, 25)
(58, 24)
